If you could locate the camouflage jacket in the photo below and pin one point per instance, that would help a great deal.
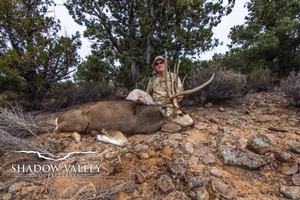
(157, 89)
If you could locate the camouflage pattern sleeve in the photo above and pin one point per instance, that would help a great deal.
(157, 89)
(149, 88)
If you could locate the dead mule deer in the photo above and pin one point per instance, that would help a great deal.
(110, 120)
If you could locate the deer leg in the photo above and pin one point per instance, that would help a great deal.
(112, 137)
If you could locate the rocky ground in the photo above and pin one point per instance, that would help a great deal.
(248, 148)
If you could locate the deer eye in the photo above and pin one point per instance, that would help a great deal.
(180, 114)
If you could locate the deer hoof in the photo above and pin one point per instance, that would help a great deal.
(76, 136)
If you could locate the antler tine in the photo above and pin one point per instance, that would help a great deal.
(171, 81)
(167, 76)
(176, 72)
(194, 89)
(182, 84)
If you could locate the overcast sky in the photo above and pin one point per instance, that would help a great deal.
(221, 32)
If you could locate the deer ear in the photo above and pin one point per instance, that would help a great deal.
(166, 111)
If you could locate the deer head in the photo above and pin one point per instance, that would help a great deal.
(172, 93)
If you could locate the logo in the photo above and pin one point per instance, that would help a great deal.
(53, 169)
(41, 155)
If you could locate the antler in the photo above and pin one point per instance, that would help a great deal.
(185, 92)
(173, 80)
(172, 93)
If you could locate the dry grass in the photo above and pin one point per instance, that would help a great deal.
(291, 88)
(111, 192)
(14, 128)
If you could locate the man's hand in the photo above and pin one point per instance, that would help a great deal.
(140, 100)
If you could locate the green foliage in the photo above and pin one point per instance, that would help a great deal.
(226, 84)
(268, 39)
(94, 69)
(32, 55)
(235, 60)
(291, 88)
(130, 34)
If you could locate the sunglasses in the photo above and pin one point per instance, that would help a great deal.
(161, 62)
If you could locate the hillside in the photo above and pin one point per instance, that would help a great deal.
(248, 148)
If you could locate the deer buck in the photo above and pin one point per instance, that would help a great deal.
(110, 120)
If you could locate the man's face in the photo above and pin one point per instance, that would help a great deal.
(159, 65)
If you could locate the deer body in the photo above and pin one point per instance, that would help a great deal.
(110, 120)
(115, 118)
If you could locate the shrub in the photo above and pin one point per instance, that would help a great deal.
(260, 79)
(291, 88)
(226, 84)
(14, 127)
(69, 93)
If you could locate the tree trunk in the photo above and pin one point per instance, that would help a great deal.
(134, 70)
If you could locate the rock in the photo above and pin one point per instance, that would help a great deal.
(122, 196)
(282, 156)
(242, 142)
(171, 143)
(170, 127)
(175, 136)
(212, 143)
(292, 192)
(271, 111)
(165, 184)
(260, 119)
(178, 167)
(213, 120)
(141, 147)
(215, 172)
(214, 129)
(143, 155)
(292, 170)
(277, 129)
(6, 196)
(150, 140)
(176, 195)
(140, 177)
(227, 132)
(200, 194)
(296, 179)
(94, 133)
(295, 148)
(208, 159)
(189, 147)
(201, 126)
(16, 187)
(259, 144)
(224, 190)
(208, 105)
(221, 109)
(109, 155)
(197, 181)
(193, 162)
(240, 157)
